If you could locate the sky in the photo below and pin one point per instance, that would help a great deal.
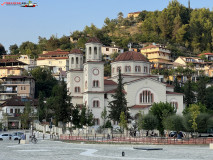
(60, 17)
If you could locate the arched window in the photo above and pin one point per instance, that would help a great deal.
(76, 60)
(95, 50)
(72, 61)
(90, 50)
(137, 68)
(113, 70)
(86, 85)
(118, 68)
(127, 68)
(146, 97)
(96, 83)
(96, 104)
(77, 90)
(174, 104)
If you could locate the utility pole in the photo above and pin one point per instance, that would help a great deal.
(189, 4)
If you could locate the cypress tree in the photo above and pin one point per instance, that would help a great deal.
(119, 102)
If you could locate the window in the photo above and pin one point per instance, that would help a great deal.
(145, 69)
(60, 62)
(72, 61)
(95, 50)
(90, 50)
(105, 95)
(76, 60)
(11, 110)
(77, 90)
(96, 83)
(137, 68)
(146, 97)
(96, 103)
(118, 68)
(96, 121)
(174, 104)
(127, 68)
(107, 49)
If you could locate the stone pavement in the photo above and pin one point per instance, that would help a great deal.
(56, 150)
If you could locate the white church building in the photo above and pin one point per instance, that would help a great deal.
(88, 86)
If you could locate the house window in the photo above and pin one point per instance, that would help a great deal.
(11, 110)
(72, 61)
(137, 68)
(90, 50)
(95, 50)
(174, 104)
(77, 90)
(96, 121)
(118, 68)
(96, 104)
(76, 60)
(145, 69)
(107, 49)
(105, 95)
(96, 83)
(146, 97)
(127, 68)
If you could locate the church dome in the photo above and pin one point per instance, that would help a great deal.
(78, 51)
(131, 56)
(94, 40)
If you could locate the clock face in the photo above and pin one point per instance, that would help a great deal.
(77, 79)
(95, 71)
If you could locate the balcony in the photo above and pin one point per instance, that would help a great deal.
(16, 82)
(8, 92)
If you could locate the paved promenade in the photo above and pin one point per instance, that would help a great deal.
(56, 150)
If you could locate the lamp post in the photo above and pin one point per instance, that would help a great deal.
(71, 124)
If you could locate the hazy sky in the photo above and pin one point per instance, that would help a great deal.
(19, 24)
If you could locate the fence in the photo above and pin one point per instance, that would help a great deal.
(139, 140)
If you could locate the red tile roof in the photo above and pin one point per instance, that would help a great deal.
(18, 101)
(94, 40)
(150, 46)
(109, 82)
(168, 92)
(131, 56)
(140, 106)
(78, 51)
(205, 54)
(43, 58)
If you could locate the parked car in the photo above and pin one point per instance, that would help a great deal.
(173, 134)
(17, 135)
(5, 136)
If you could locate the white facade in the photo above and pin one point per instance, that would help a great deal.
(141, 88)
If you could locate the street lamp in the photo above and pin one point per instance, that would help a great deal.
(71, 124)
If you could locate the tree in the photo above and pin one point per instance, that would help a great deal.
(139, 122)
(62, 105)
(76, 117)
(42, 112)
(2, 50)
(123, 121)
(44, 81)
(119, 103)
(177, 87)
(83, 118)
(30, 49)
(194, 111)
(149, 122)
(104, 117)
(201, 89)
(107, 69)
(174, 123)
(25, 116)
(14, 50)
(189, 97)
(209, 99)
(203, 122)
(161, 111)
